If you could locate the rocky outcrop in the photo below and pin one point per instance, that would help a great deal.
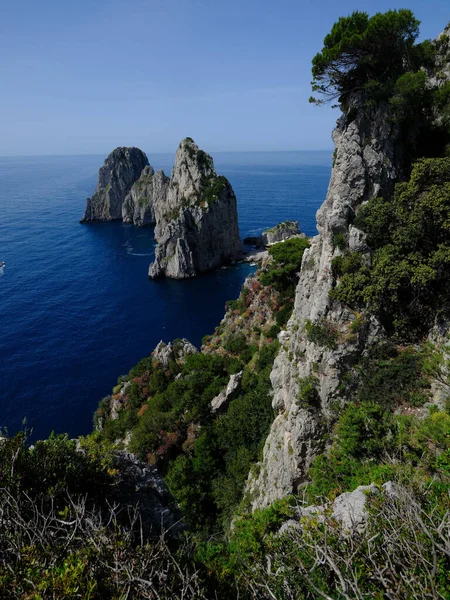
(176, 350)
(281, 232)
(348, 510)
(121, 169)
(196, 227)
(221, 400)
(366, 164)
(150, 189)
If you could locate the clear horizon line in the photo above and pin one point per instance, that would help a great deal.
(162, 152)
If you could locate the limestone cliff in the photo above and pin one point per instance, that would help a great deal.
(151, 188)
(366, 163)
(196, 227)
(121, 169)
(324, 339)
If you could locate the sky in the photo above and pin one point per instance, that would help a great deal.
(85, 76)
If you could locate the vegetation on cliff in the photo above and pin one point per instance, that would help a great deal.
(166, 411)
(405, 281)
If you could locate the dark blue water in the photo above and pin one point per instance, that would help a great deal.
(77, 308)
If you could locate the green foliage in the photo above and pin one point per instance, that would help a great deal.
(51, 467)
(267, 355)
(204, 161)
(349, 262)
(236, 343)
(364, 430)
(321, 333)
(307, 392)
(63, 534)
(340, 241)
(410, 95)
(366, 55)
(208, 481)
(213, 188)
(287, 258)
(407, 282)
(389, 376)
(273, 331)
(404, 533)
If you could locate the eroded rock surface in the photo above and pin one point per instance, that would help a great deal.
(139, 205)
(121, 169)
(366, 164)
(221, 400)
(196, 227)
(177, 350)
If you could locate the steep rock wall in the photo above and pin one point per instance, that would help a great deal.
(366, 162)
(196, 226)
(121, 169)
(139, 206)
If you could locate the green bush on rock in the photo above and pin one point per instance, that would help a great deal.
(407, 284)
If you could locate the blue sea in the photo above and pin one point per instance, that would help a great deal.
(77, 308)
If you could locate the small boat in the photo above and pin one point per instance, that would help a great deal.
(2, 264)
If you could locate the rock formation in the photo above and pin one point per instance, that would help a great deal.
(196, 227)
(279, 233)
(177, 350)
(149, 189)
(221, 400)
(369, 158)
(121, 169)
(366, 164)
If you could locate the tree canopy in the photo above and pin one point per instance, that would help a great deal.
(363, 53)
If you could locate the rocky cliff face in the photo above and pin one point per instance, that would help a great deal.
(196, 227)
(121, 169)
(139, 206)
(366, 163)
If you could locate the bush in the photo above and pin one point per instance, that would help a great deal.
(321, 333)
(407, 283)
(364, 430)
(307, 392)
(287, 258)
(389, 376)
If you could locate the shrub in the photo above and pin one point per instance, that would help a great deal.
(389, 376)
(364, 430)
(287, 258)
(321, 333)
(340, 241)
(408, 280)
(307, 392)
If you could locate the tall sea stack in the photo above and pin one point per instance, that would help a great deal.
(197, 225)
(121, 170)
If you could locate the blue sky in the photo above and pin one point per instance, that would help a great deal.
(85, 76)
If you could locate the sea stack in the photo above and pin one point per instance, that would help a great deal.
(139, 206)
(197, 225)
(121, 170)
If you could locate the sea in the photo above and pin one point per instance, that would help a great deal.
(77, 309)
